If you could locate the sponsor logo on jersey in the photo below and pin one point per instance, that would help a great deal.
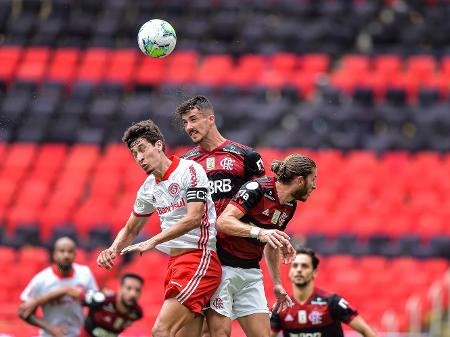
(174, 189)
(210, 163)
(260, 165)
(283, 218)
(232, 149)
(220, 185)
(266, 212)
(171, 207)
(227, 163)
(194, 178)
(288, 318)
(315, 317)
(269, 196)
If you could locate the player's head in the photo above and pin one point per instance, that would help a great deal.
(130, 289)
(296, 170)
(64, 252)
(304, 267)
(146, 143)
(197, 117)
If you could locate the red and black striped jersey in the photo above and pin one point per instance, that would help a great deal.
(228, 167)
(320, 316)
(258, 200)
(103, 317)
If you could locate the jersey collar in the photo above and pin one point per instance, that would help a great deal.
(61, 275)
(175, 161)
(225, 143)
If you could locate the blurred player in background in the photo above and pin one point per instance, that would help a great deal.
(109, 313)
(257, 215)
(179, 191)
(228, 164)
(315, 312)
(62, 317)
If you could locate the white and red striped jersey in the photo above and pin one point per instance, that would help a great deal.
(66, 310)
(185, 181)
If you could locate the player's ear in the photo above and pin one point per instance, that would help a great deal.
(159, 145)
(212, 118)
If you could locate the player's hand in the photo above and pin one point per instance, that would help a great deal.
(274, 237)
(287, 253)
(27, 308)
(106, 258)
(57, 330)
(283, 299)
(140, 247)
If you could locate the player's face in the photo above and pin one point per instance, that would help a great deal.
(64, 255)
(306, 186)
(301, 272)
(147, 156)
(130, 291)
(197, 124)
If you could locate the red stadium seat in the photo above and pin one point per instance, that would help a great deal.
(122, 66)
(9, 59)
(387, 64)
(151, 71)
(422, 66)
(35, 258)
(34, 64)
(20, 155)
(214, 69)
(354, 64)
(315, 63)
(93, 65)
(64, 65)
(284, 63)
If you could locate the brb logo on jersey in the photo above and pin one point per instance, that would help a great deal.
(227, 163)
(174, 189)
(220, 185)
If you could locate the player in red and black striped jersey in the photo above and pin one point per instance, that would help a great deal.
(316, 312)
(258, 214)
(109, 313)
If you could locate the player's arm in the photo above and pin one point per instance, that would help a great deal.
(272, 257)
(28, 308)
(360, 325)
(124, 238)
(53, 330)
(275, 324)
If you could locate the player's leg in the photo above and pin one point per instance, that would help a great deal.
(172, 317)
(255, 325)
(205, 329)
(219, 325)
(193, 328)
(250, 306)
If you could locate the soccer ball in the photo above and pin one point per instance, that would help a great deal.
(157, 38)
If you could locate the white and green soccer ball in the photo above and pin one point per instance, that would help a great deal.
(157, 38)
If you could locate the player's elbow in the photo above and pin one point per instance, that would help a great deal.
(194, 220)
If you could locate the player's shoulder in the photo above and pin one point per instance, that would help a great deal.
(81, 268)
(188, 164)
(322, 294)
(194, 153)
(236, 148)
(44, 274)
(137, 312)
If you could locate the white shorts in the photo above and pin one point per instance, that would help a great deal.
(240, 293)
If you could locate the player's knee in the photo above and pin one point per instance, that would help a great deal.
(161, 330)
(219, 331)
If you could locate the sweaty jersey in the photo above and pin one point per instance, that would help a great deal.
(104, 320)
(320, 316)
(185, 181)
(65, 310)
(258, 200)
(228, 167)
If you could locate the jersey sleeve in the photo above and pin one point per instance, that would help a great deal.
(142, 207)
(91, 283)
(33, 289)
(196, 183)
(253, 163)
(341, 309)
(275, 322)
(248, 196)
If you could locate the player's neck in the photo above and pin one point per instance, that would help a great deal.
(301, 294)
(120, 306)
(212, 141)
(160, 171)
(284, 193)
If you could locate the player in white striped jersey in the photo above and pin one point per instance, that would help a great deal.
(178, 190)
(64, 317)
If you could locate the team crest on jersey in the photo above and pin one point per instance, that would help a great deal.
(174, 189)
(315, 317)
(210, 163)
(139, 205)
(227, 163)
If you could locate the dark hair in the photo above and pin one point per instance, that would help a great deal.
(292, 166)
(312, 254)
(131, 275)
(146, 129)
(197, 102)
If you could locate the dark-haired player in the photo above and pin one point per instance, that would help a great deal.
(109, 313)
(316, 312)
(257, 215)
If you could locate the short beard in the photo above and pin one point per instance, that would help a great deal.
(64, 268)
(126, 305)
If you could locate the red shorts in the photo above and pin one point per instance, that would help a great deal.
(193, 278)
